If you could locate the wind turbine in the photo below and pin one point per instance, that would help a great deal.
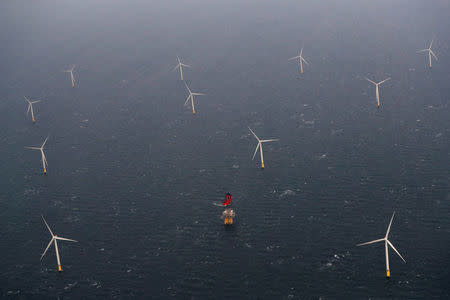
(191, 96)
(259, 146)
(71, 75)
(386, 243)
(301, 60)
(377, 93)
(430, 52)
(30, 107)
(54, 240)
(43, 159)
(181, 65)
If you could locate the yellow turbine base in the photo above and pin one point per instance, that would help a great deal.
(59, 268)
(228, 221)
(45, 171)
(262, 165)
(388, 273)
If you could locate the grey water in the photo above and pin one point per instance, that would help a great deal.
(133, 173)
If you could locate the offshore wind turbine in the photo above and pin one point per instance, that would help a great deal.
(301, 60)
(54, 240)
(377, 93)
(71, 75)
(430, 52)
(386, 244)
(191, 97)
(180, 65)
(43, 159)
(259, 146)
(30, 108)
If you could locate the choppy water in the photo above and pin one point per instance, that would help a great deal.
(132, 173)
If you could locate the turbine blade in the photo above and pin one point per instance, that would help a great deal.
(27, 99)
(389, 227)
(423, 50)
(304, 60)
(44, 159)
(384, 80)
(198, 94)
(176, 67)
(187, 100)
(371, 242)
(47, 225)
(28, 110)
(254, 134)
(390, 244)
(188, 88)
(44, 142)
(48, 246)
(271, 140)
(371, 81)
(295, 57)
(186, 65)
(64, 239)
(431, 51)
(33, 148)
(36, 101)
(431, 44)
(256, 150)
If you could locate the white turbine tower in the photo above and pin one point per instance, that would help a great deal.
(259, 146)
(191, 97)
(377, 93)
(43, 159)
(430, 52)
(180, 65)
(301, 60)
(30, 108)
(386, 244)
(54, 240)
(71, 75)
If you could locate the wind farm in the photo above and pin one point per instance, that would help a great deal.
(173, 199)
(300, 60)
(259, 146)
(377, 93)
(72, 78)
(191, 97)
(30, 108)
(43, 158)
(387, 244)
(180, 66)
(54, 240)
(430, 53)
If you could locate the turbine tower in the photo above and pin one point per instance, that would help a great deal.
(71, 75)
(54, 240)
(301, 60)
(43, 158)
(191, 97)
(180, 65)
(387, 243)
(377, 93)
(30, 108)
(259, 146)
(430, 52)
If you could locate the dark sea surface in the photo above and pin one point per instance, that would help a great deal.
(133, 174)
